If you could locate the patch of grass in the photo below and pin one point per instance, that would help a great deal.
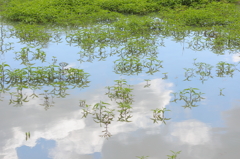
(74, 12)
(212, 14)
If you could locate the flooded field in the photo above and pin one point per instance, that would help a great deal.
(120, 90)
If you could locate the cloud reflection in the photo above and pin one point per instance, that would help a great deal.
(79, 138)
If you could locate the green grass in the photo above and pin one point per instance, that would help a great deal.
(77, 12)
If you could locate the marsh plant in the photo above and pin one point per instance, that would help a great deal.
(101, 114)
(224, 68)
(121, 93)
(204, 70)
(142, 157)
(158, 115)
(147, 83)
(220, 92)
(35, 78)
(165, 75)
(174, 155)
(26, 55)
(27, 135)
(48, 100)
(190, 96)
(189, 73)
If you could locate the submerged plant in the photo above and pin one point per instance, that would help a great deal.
(142, 157)
(220, 93)
(158, 115)
(47, 102)
(121, 93)
(190, 96)
(224, 68)
(28, 135)
(147, 84)
(174, 155)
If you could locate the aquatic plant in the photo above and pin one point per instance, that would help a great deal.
(221, 93)
(121, 93)
(147, 84)
(190, 96)
(47, 103)
(224, 68)
(28, 135)
(158, 115)
(174, 155)
(101, 114)
(142, 157)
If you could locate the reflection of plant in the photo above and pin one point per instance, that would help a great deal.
(189, 96)
(158, 115)
(27, 135)
(101, 114)
(142, 157)
(204, 70)
(165, 76)
(147, 85)
(189, 73)
(53, 75)
(47, 103)
(174, 155)
(121, 93)
(23, 55)
(224, 68)
(220, 93)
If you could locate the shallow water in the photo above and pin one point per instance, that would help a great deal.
(58, 130)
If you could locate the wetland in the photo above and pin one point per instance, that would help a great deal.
(104, 79)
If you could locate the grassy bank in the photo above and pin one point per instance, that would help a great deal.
(75, 12)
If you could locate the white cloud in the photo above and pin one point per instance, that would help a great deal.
(236, 57)
(191, 132)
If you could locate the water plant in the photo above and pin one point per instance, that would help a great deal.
(224, 68)
(37, 77)
(174, 155)
(221, 93)
(158, 115)
(190, 96)
(28, 135)
(147, 84)
(47, 103)
(121, 93)
(142, 157)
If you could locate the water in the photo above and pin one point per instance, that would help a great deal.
(57, 129)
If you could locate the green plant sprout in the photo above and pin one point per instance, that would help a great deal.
(224, 68)
(165, 75)
(189, 73)
(190, 96)
(204, 70)
(121, 93)
(147, 85)
(142, 157)
(47, 103)
(158, 115)
(28, 135)
(174, 155)
(220, 93)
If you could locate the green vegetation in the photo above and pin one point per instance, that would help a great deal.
(190, 96)
(158, 115)
(75, 12)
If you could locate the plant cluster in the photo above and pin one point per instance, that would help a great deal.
(121, 93)
(204, 70)
(37, 77)
(190, 96)
(158, 115)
